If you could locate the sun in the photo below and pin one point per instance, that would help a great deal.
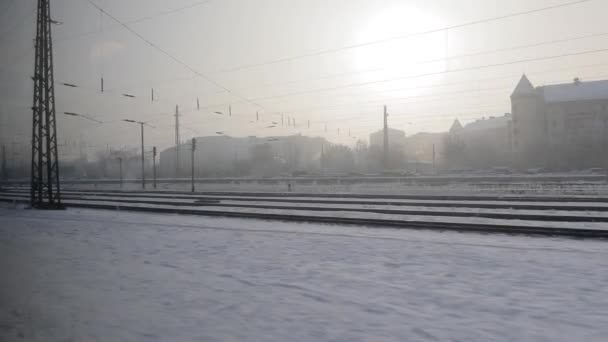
(415, 54)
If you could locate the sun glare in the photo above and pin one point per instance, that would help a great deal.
(414, 55)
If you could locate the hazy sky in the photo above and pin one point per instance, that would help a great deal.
(305, 73)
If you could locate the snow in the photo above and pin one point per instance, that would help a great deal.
(555, 184)
(86, 275)
(362, 215)
(581, 91)
(557, 218)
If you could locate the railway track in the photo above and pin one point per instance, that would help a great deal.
(399, 211)
(322, 206)
(506, 198)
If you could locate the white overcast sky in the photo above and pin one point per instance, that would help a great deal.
(305, 73)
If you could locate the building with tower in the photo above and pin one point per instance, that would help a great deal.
(562, 126)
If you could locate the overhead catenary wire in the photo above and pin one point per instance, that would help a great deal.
(364, 102)
(137, 20)
(399, 37)
(478, 67)
(172, 57)
(496, 50)
(459, 56)
(441, 59)
(281, 95)
(358, 103)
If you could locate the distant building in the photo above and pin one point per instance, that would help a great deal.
(222, 156)
(561, 126)
(493, 132)
(396, 148)
(483, 143)
(396, 138)
(419, 147)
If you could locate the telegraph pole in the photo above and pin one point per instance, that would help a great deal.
(192, 161)
(143, 168)
(44, 186)
(154, 166)
(120, 170)
(322, 161)
(143, 174)
(177, 141)
(385, 156)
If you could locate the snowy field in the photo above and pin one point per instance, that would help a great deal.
(87, 275)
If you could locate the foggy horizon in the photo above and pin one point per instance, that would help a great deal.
(333, 63)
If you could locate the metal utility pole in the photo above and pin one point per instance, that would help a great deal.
(154, 166)
(192, 161)
(143, 168)
(385, 156)
(44, 187)
(120, 170)
(143, 174)
(177, 141)
(322, 161)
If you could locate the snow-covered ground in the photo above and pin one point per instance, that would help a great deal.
(86, 275)
(571, 188)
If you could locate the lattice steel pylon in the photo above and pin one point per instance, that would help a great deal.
(45, 188)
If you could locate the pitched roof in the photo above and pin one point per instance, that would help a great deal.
(575, 91)
(489, 123)
(524, 87)
(456, 126)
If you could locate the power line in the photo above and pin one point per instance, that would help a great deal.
(416, 115)
(309, 109)
(137, 20)
(555, 41)
(431, 99)
(451, 57)
(168, 12)
(172, 57)
(390, 90)
(478, 53)
(479, 67)
(399, 37)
